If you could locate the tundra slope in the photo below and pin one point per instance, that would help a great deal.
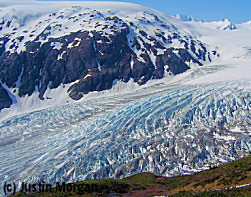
(171, 126)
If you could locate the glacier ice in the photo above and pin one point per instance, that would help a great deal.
(166, 129)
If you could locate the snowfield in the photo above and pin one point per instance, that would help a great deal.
(171, 126)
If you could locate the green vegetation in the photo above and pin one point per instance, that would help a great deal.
(240, 192)
(212, 182)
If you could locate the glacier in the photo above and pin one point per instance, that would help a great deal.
(167, 129)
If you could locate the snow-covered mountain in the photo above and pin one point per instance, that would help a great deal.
(224, 24)
(184, 17)
(90, 47)
(101, 89)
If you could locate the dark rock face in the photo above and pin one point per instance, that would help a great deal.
(10, 67)
(93, 60)
(5, 100)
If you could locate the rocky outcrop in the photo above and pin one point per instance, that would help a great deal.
(5, 100)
